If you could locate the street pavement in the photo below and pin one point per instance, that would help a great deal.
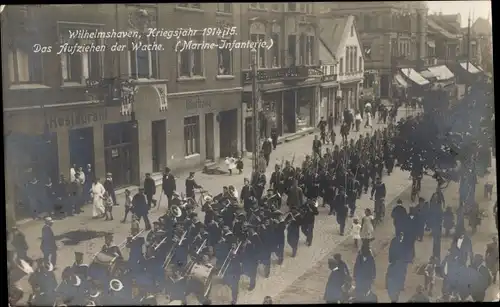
(309, 288)
(84, 234)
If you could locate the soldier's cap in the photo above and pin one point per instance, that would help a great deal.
(193, 215)
(421, 199)
(277, 212)
(108, 236)
(241, 214)
(156, 223)
(270, 190)
(191, 173)
(399, 202)
(141, 189)
(109, 174)
(78, 254)
(148, 174)
(167, 169)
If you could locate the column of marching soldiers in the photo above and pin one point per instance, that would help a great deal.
(182, 255)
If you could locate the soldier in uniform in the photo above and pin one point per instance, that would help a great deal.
(79, 268)
(277, 180)
(136, 251)
(43, 279)
(491, 258)
(109, 248)
(259, 183)
(279, 228)
(352, 193)
(251, 260)
(308, 219)
(293, 231)
(246, 195)
(295, 195)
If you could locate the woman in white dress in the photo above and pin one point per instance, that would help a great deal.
(366, 232)
(231, 164)
(97, 193)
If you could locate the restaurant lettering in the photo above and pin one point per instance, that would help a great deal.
(77, 118)
(198, 103)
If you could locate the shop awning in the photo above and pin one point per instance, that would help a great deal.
(427, 74)
(329, 84)
(472, 68)
(431, 44)
(414, 76)
(441, 72)
(400, 80)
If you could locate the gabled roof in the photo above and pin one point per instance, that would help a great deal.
(434, 26)
(326, 56)
(482, 26)
(331, 32)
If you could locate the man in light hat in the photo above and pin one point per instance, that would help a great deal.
(109, 186)
(168, 185)
(267, 148)
(48, 245)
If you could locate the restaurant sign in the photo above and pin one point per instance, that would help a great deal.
(77, 118)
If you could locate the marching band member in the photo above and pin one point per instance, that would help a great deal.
(293, 231)
(308, 219)
(259, 183)
(247, 195)
(43, 278)
(177, 285)
(135, 244)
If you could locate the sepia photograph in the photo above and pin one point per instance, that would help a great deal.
(252, 153)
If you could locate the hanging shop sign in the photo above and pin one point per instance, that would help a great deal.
(77, 118)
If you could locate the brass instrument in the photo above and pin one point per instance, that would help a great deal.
(124, 243)
(170, 254)
(227, 261)
(289, 217)
(156, 246)
(176, 211)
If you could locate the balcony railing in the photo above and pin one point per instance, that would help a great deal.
(285, 74)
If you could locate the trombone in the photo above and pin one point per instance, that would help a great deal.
(227, 261)
(170, 254)
(124, 243)
(156, 246)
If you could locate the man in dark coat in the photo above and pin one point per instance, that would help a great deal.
(191, 185)
(48, 245)
(274, 137)
(259, 184)
(399, 217)
(141, 208)
(168, 185)
(339, 276)
(149, 189)
(395, 280)
(247, 195)
(295, 195)
(293, 231)
(478, 289)
(341, 209)
(463, 245)
(364, 270)
(267, 148)
(18, 240)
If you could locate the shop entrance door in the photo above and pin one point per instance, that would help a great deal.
(159, 150)
(209, 136)
(228, 139)
(81, 147)
(120, 157)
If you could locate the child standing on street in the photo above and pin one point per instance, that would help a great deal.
(128, 204)
(108, 206)
(356, 231)
(239, 165)
(430, 275)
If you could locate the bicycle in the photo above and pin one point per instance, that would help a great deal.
(379, 211)
(415, 188)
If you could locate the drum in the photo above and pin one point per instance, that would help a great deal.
(200, 278)
(102, 266)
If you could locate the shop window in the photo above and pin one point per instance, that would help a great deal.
(190, 5)
(25, 66)
(224, 7)
(224, 60)
(191, 135)
(142, 63)
(78, 66)
(191, 60)
(261, 52)
(304, 110)
(275, 50)
(367, 21)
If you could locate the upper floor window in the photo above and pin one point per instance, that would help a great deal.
(224, 59)
(367, 21)
(191, 5)
(224, 7)
(302, 7)
(275, 6)
(332, 69)
(360, 63)
(292, 7)
(190, 60)
(275, 50)
(309, 50)
(142, 63)
(261, 52)
(352, 30)
(25, 66)
(341, 66)
(309, 8)
(78, 66)
(347, 58)
(354, 58)
(258, 5)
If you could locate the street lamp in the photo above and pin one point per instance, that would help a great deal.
(255, 113)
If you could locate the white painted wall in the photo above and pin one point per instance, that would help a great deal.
(351, 41)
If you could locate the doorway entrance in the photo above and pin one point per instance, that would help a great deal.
(119, 152)
(209, 137)
(159, 145)
(81, 147)
(228, 141)
(248, 134)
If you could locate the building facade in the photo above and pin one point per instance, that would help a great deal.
(393, 36)
(127, 111)
(330, 84)
(288, 72)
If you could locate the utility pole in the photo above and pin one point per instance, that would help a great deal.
(468, 55)
(255, 114)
